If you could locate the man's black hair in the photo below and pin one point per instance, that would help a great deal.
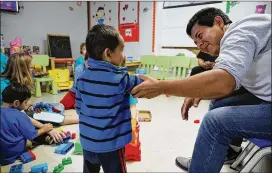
(205, 17)
(14, 92)
(99, 38)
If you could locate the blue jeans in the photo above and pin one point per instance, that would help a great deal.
(222, 124)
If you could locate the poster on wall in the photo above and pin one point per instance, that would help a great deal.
(260, 9)
(175, 4)
(102, 12)
(128, 20)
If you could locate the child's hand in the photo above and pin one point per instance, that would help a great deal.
(47, 127)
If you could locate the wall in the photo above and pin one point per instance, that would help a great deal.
(40, 18)
(171, 23)
(133, 49)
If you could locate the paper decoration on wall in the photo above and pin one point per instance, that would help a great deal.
(230, 4)
(260, 9)
(100, 15)
(128, 20)
(79, 3)
(71, 8)
(15, 45)
(104, 14)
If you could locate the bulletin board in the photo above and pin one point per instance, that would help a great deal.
(128, 20)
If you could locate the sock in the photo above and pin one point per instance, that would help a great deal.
(235, 148)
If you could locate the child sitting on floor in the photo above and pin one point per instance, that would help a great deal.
(16, 128)
(102, 102)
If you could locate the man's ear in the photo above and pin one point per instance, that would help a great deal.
(219, 21)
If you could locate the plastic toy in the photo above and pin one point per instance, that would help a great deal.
(145, 116)
(140, 71)
(39, 168)
(58, 168)
(15, 45)
(78, 148)
(49, 107)
(73, 135)
(62, 78)
(27, 157)
(67, 138)
(17, 168)
(196, 121)
(64, 148)
(66, 161)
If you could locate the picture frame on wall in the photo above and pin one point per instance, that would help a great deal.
(175, 4)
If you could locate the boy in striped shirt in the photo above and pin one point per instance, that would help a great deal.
(102, 102)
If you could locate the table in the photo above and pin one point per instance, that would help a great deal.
(132, 65)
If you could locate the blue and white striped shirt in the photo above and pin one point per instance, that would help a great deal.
(102, 103)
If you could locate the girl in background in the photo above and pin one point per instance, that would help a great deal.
(80, 59)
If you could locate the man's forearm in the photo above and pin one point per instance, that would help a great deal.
(207, 85)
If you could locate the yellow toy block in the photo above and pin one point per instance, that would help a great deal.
(62, 78)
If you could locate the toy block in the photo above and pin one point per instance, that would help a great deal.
(27, 157)
(67, 161)
(196, 121)
(68, 132)
(67, 138)
(73, 135)
(58, 168)
(32, 154)
(17, 168)
(78, 148)
(64, 148)
(59, 148)
(39, 168)
(60, 129)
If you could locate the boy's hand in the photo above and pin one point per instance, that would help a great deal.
(47, 127)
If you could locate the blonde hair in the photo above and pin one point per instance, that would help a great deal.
(17, 69)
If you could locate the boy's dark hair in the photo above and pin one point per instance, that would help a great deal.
(205, 17)
(99, 38)
(100, 8)
(14, 92)
(81, 47)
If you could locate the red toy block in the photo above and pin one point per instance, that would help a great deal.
(73, 135)
(32, 154)
(196, 121)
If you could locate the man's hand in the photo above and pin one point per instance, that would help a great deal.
(187, 104)
(148, 89)
(56, 135)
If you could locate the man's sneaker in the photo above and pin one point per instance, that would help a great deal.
(232, 155)
(183, 163)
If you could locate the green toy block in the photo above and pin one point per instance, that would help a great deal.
(58, 168)
(78, 148)
(67, 161)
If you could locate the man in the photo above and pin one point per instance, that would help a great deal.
(244, 59)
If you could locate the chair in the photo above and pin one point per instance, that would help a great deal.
(43, 60)
(148, 62)
(262, 148)
(62, 78)
(180, 65)
(164, 66)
